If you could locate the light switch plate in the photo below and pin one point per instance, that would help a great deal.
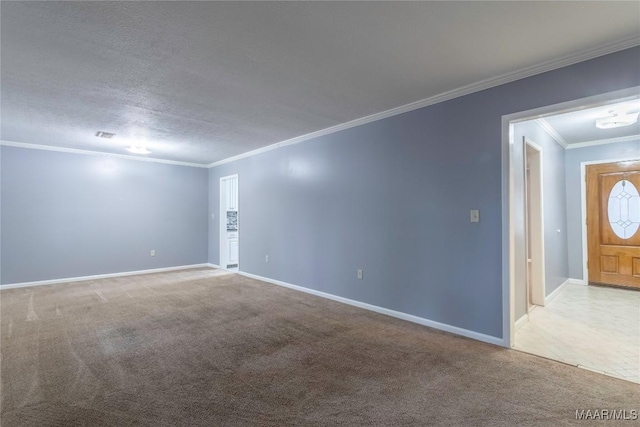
(475, 215)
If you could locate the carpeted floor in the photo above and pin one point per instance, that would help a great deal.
(201, 348)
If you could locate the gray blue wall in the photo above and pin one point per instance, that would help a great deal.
(573, 159)
(555, 212)
(393, 197)
(67, 215)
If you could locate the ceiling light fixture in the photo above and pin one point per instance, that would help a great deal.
(616, 120)
(138, 149)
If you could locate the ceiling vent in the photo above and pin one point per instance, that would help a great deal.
(107, 135)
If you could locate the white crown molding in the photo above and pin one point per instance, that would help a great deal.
(455, 93)
(445, 96)
(98, 153)
(252, 153)
(552, 132)
(603, 141)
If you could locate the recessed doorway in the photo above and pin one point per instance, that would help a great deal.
(229, 224)
(534, 224)
(557, 308)
(613, 220)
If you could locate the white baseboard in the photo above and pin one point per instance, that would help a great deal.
(555, 293)
(404, 316)
(212, 265)
(521, 322)
(578, 282)
(102, 276)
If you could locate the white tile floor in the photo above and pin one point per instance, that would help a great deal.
(592, 327)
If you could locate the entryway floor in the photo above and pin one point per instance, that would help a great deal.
(591, 327)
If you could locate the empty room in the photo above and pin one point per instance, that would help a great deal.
(319, 213)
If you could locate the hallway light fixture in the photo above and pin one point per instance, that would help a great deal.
(616, 120)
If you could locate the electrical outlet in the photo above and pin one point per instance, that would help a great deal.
(475, 215)
(153, 252)
(359, 274)
(266, 258)
(213, 216)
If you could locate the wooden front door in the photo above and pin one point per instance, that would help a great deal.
(613, 223)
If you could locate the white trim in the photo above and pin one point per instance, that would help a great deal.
(556, 291)
(98, 153)
(216, 266)
(622, 95)
(99, 276)
(603, 141)
(521, 322)
(546, 126)
(578, 282)
(451, 94)
(508, 233)
(508, 206)
(254, 152)
(583, 202)
(537, 223)
(400, 315)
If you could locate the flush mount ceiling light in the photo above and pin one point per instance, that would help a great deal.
(616, 120)
(138, 149)
(107, 135)
(135, 148)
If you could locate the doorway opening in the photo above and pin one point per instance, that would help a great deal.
(612, 220)
(551, 307)
(229, 224)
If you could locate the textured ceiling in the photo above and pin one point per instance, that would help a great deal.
(203, 81)
(580, 126)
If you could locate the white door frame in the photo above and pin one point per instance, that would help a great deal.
(222, 231)
(583, 202)
(508, 191)
(536, 171)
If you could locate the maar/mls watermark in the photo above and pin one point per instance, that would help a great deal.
(607, 414)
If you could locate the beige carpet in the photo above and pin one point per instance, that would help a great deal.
(196, 348)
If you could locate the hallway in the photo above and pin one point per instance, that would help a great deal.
(595, 328)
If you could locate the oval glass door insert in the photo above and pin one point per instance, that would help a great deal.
(624, 209)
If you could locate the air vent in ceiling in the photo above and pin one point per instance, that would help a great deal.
(107, 135)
